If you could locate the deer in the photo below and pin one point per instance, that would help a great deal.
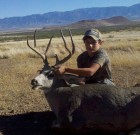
(95, 107)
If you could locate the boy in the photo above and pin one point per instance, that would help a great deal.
(94, 63)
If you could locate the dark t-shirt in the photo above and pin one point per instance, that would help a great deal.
(101, 57)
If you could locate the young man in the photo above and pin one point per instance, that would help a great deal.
(94, 63)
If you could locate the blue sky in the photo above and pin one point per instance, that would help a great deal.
(12, 8)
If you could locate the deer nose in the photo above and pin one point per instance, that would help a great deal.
(34, 82)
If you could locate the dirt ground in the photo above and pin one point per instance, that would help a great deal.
(26, 112)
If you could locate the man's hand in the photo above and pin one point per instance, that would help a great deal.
(60, 70)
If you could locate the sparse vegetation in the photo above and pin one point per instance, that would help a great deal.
(44, 33)
(120, 46)
(19, 65)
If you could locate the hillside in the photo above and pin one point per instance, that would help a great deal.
(118, 20)
(68, 17)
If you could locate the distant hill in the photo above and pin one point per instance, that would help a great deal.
(118, 20)
(68, 17)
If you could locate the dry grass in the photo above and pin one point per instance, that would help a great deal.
(19, 65)
(127, 59)
(123, 48)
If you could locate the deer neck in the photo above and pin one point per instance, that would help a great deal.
(56, 84)
(59, 82)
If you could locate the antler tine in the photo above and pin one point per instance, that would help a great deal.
(47, 48)
(42, 56)
(58, 62)
(35, 39)
(65, 44)
(73, 45)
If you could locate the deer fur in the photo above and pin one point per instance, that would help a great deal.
(95, 106)
(98, 107)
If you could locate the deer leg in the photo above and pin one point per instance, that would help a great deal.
(55, 124)
(64, 118)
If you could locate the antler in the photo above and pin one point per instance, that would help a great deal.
(44, 57)
(58, 62)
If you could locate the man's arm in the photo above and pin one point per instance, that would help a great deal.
(79, 71)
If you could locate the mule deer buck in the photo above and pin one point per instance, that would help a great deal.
(100, 107)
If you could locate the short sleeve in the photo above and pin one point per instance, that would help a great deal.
(101, 58)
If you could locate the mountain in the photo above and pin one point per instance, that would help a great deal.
(68, 17)
(117, 20)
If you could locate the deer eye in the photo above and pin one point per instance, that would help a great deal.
(49, 74)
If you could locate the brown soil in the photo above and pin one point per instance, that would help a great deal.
(26, 112)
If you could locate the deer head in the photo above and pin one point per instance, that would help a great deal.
(47, 76)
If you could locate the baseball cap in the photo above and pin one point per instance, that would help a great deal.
(94, 33)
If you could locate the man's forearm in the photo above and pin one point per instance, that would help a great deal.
(80, 71)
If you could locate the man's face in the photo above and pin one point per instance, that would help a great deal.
(91, 45)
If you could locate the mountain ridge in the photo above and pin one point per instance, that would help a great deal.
(69, 17)
(113, 21)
